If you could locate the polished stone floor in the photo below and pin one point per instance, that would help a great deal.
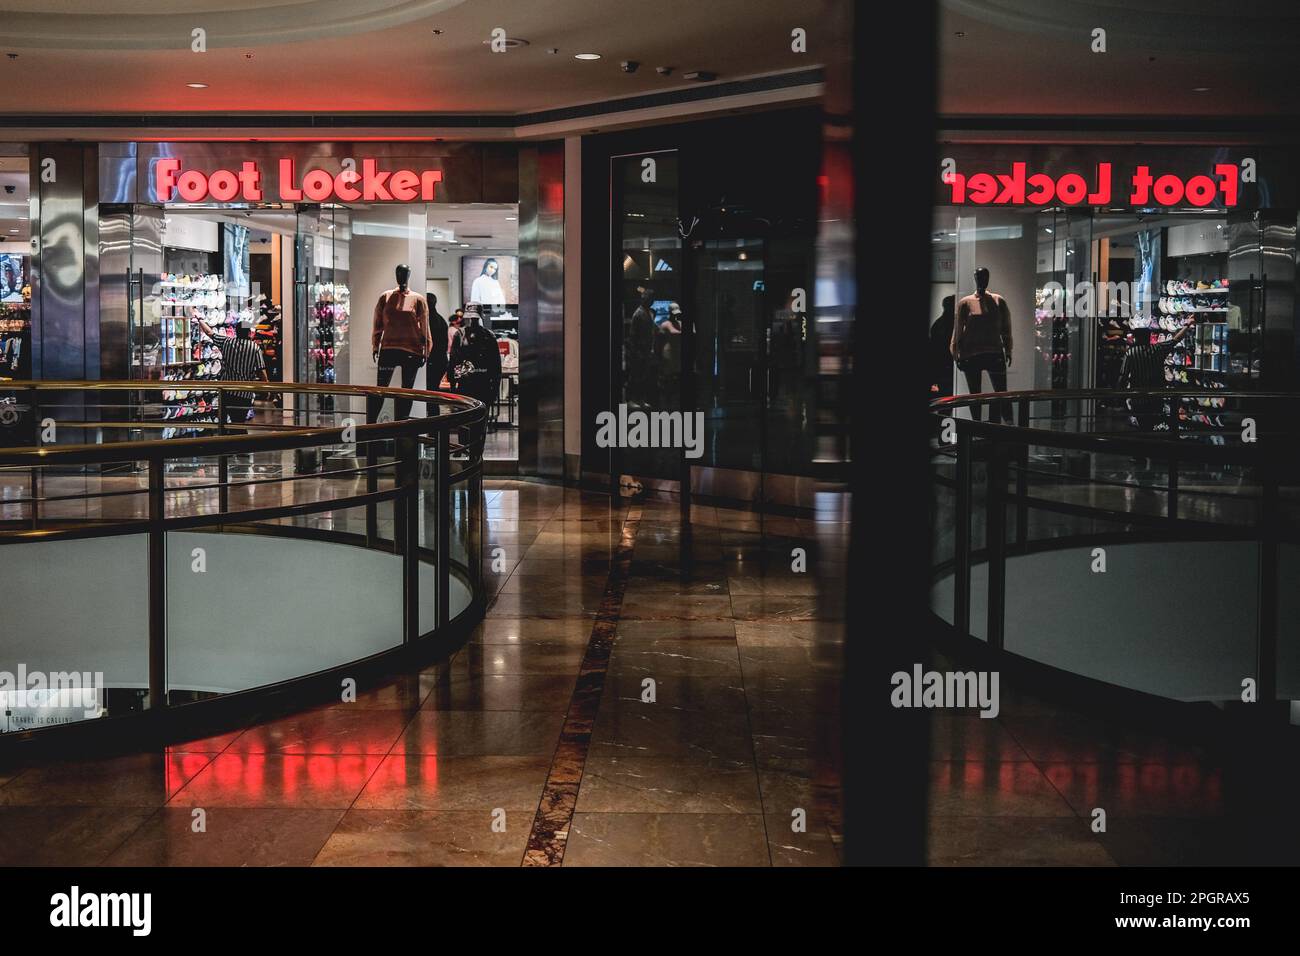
(639, 693)
(713, 740)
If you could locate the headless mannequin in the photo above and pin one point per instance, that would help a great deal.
(400, 340)
(981, 341)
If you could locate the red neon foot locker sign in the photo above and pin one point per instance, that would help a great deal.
(1020, 187)
(174, 183)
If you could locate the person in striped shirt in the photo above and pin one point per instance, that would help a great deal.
(1144, 368)
(241, 361)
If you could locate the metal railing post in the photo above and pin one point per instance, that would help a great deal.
(157, 585)
(442, 555)
(36, 472)
(996, 534)
(1171, 499)
(372, 485)
(1022, 477)
(1267, 594)
(961, 552)
(223, 463)
(408, 467)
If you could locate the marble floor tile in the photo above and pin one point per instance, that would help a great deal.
(668, 785)
(65, 836)
(475, 733)
(500, 629)
(425, 838)
(478, 660)
(667, 657)
(338, 729)
(1014, 841)
(688, 606)
(144, 780)
(437, 782)
(667, 839)
(991, 789)
(675, 693)
(231, 837)
(812, 847)
(1125, 789)
(542, 692)
(643, 731)
(306, 781)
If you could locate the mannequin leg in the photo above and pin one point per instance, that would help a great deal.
(410, 367)
(387, 363)
(998, 376)
(972, 372)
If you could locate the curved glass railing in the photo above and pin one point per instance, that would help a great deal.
(1149, 540)
(157, 562)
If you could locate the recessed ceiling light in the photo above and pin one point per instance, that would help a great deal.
(510, 218)
(197, 86)
(586, 56)
(1200, 89)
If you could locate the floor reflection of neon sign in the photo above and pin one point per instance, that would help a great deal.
(1022, 188)
(173, 183)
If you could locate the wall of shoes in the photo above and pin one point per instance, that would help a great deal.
(1195, 293)
(16, 338)
(327, 330)
(174, 350)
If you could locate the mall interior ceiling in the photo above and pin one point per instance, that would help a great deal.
(1163, 59)
(485, 56)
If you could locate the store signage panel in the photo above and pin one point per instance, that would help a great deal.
(1145, 187)
(1136, 177)
(358, 180)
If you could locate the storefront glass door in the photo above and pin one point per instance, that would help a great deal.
(322, 303)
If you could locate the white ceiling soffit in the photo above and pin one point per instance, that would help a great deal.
(135, 24)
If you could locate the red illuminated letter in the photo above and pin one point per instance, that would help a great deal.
(1044, 188)
(1141, 187)
(164, 172)
(428, 182)
(250, 181)
(224, 185)
(193, 186)
(1227, 174)
(288, 191)
(958, 182)
(1101, 196)
(404, 185)
(374, 182)
(345, 185)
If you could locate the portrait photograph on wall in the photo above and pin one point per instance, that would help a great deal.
(490, 280)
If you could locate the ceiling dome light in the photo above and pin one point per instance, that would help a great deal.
(586, 56)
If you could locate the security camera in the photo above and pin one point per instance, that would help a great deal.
(10, 189)
(629, 66)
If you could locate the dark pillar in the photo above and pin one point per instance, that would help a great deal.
(541, 309)
(65, 262)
